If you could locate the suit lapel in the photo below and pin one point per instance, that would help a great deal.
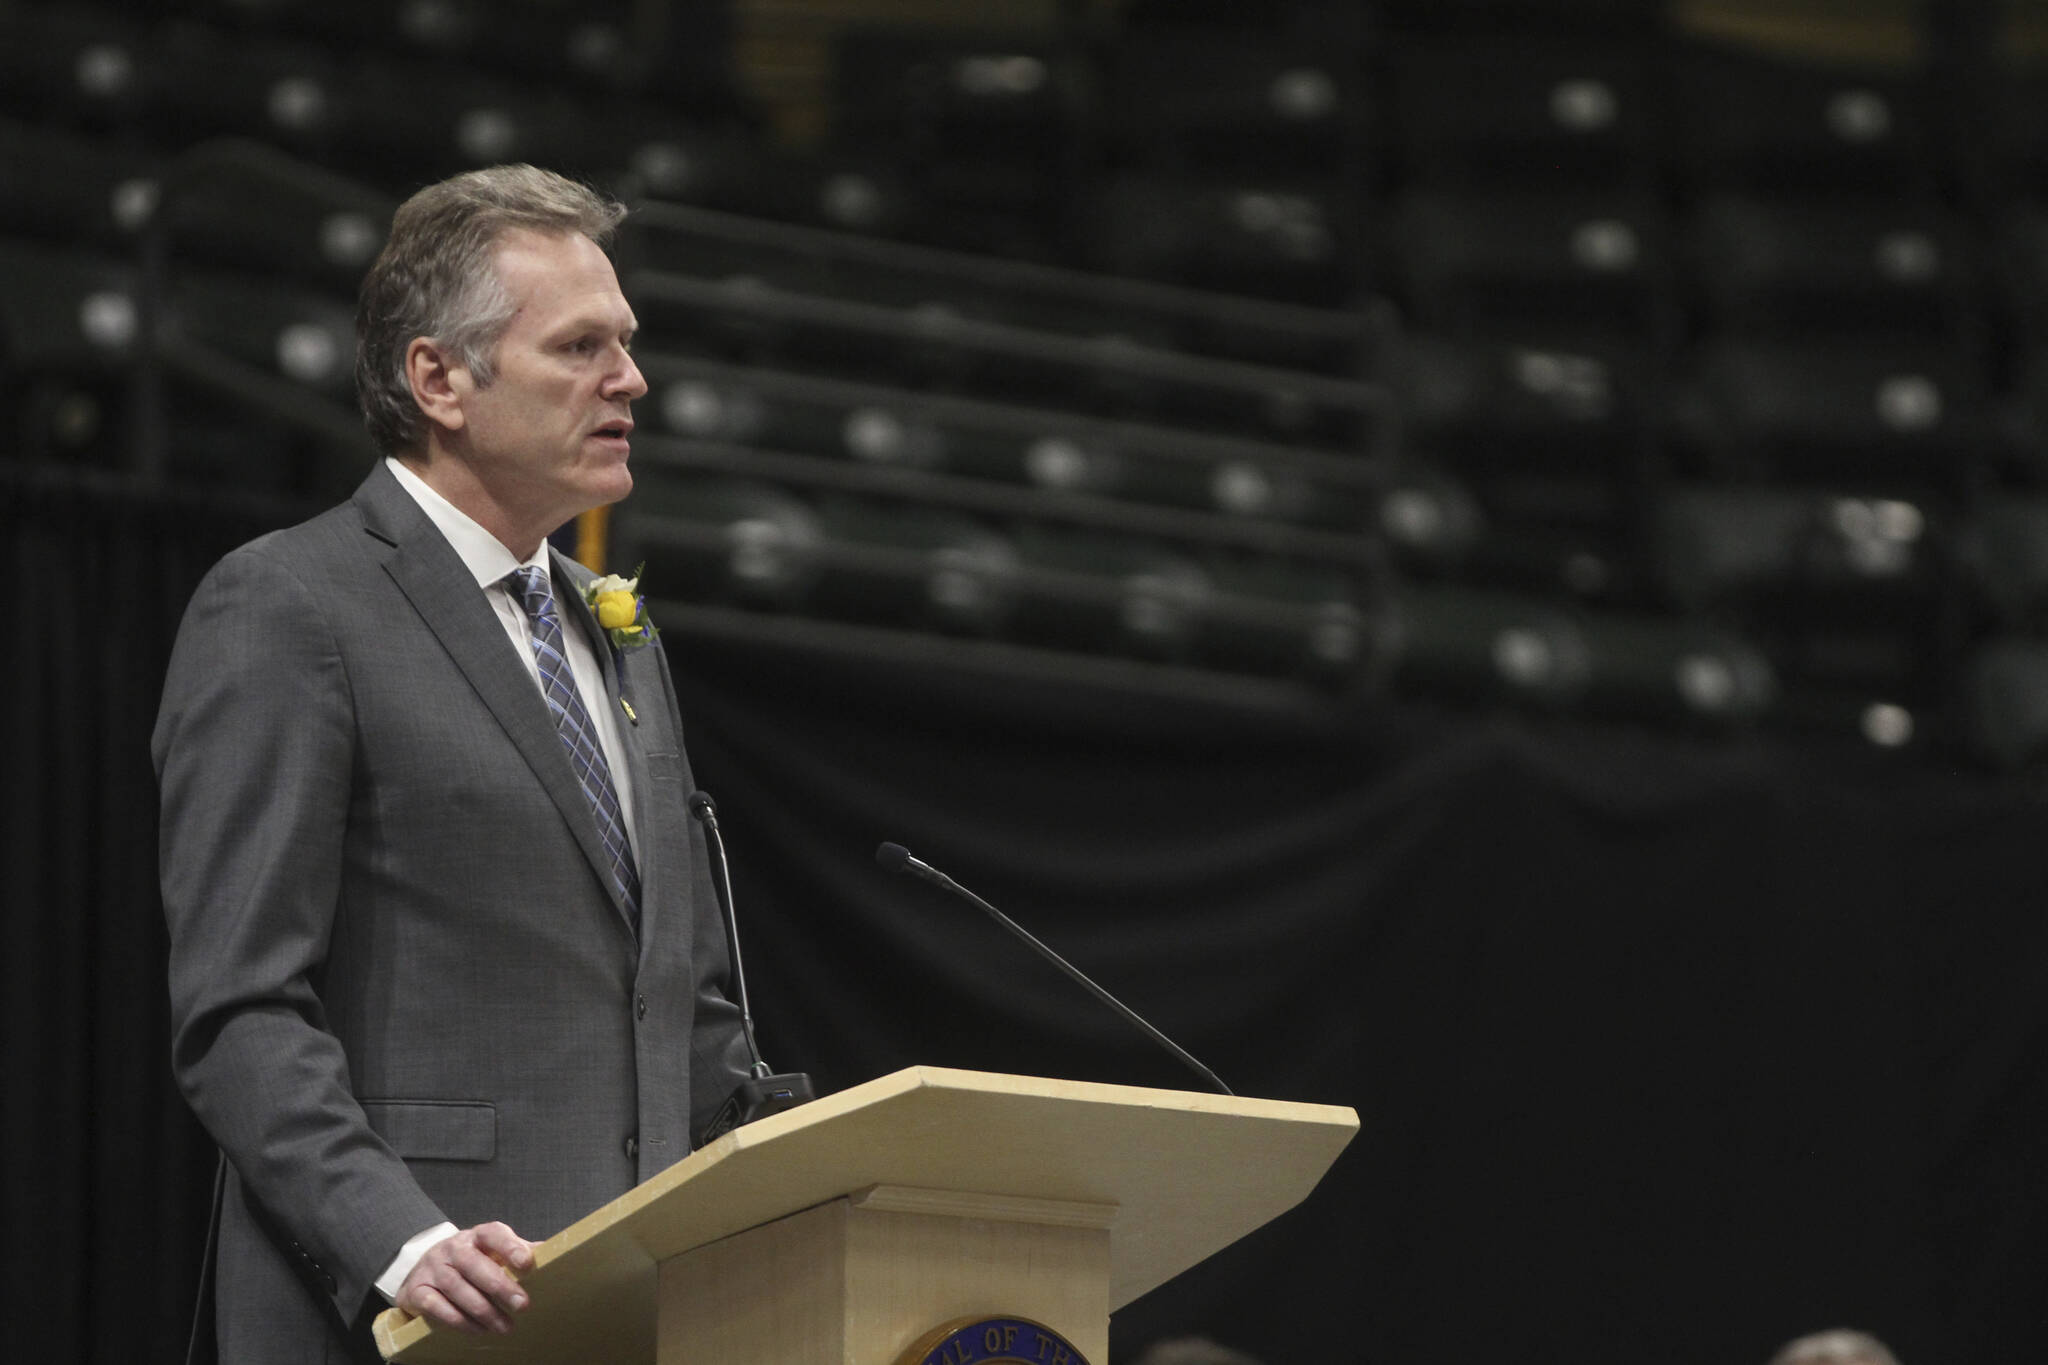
(570, 580)
(434, 579)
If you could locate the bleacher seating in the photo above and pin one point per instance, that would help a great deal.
(1199, 101)
(70, 325)
(1529, 115)
(60, 186)
(236, 205)
(1534, 354)
(1524, 267)
(1903, 271)
(709, 245)
(1055, 450)
(1921, 414)
(1752, 123)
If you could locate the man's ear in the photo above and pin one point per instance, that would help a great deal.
(439, 385)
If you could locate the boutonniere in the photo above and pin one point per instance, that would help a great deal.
(621, 610)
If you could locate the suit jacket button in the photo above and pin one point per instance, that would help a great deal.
(639, 1007)
(632, 1148)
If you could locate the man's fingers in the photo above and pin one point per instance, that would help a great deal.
(474, 1301)
(505, 1245)
(462, 1281)
(451, 1300)
(481, 1271)
(427, 1301)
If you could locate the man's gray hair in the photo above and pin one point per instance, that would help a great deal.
(437, 278)
(1192, 1351)
(1840, 1346)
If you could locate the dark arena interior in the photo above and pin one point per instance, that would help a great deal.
(1480, 560)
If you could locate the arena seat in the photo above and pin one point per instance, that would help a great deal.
(210, 82)
(70, 325)
(68, 310)
(307, 339)
(70, 188)
(896, 563)
(1529, 408)
(1215, 105)
(1921, 414)
(1898, 271)
(241, 206)
(1592, 267)
(720, 538)
(1533, 114)
(1814, 551)
(83, 69)
(1260, 234)
(1754, 123)
(1491, 646)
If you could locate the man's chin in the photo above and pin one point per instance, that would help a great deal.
(608, 485)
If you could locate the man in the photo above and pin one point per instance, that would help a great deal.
(1837, 1346)
(1192, 1351)
(446, 968)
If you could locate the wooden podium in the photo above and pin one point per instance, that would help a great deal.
(844, 1231)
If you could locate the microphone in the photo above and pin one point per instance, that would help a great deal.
(761, 1093)
(897, 858)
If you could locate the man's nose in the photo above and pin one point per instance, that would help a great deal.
(626, 381)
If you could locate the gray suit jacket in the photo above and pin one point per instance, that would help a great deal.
(402, 987)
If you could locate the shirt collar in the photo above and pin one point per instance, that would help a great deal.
(482, 553)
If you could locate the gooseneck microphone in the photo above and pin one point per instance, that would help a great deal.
(762, 1093)
(897, 858)
(706, 812)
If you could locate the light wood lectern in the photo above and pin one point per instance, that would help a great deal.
(842, 1232)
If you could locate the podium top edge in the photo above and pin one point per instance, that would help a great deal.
(1103, 1092)
(941, 1078)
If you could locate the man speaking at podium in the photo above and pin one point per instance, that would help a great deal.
(446, 969)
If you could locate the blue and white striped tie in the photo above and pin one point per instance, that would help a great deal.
(529, 588)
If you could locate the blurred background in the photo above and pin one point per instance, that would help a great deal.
(1483, 560)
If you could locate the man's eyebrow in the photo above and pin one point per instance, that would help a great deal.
(593, 325)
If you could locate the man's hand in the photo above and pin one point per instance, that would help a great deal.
(462, 1282)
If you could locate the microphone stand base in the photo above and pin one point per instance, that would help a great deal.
(756, 1098)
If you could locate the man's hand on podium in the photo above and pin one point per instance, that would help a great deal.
(462, 1282)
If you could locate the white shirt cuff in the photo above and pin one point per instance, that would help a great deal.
(393, 1278)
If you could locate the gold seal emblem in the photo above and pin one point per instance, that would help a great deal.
(992, 1341)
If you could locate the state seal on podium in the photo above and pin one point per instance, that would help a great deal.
(992, 1341)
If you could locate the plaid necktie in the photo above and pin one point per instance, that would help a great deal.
(529, 588)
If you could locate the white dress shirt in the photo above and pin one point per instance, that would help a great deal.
(488, 561)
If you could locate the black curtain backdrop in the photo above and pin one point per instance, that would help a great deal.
(1666, 1050)
(106, 1175)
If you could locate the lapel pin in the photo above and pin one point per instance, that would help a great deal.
(629, 710)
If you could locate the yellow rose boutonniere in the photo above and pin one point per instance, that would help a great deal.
(620, 609)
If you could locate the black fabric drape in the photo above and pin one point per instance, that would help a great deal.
(106, 1172)
(1665, 1049)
